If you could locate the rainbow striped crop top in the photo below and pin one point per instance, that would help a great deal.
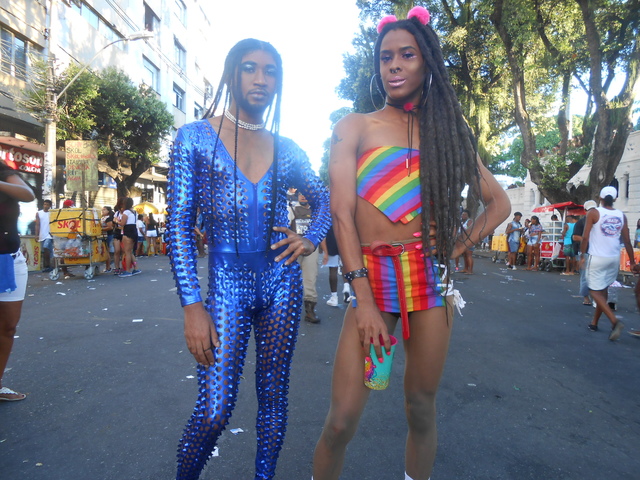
(389, 179)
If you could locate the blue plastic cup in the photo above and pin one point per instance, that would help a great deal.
(376, 372)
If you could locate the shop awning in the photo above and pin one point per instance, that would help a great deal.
(568, 207)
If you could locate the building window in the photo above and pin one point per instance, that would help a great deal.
(91, 17)
(208, 91)
(178, 97)
(181, 12)
(96, 21)
(151, 74)
(13, 55)
(198, 111)
(151, 20)
(180, 54)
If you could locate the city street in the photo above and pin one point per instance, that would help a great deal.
(528, 391)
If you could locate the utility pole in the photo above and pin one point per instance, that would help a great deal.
(49, 167)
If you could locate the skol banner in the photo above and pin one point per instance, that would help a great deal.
(82, 165)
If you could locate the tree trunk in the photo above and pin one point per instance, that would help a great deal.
(613, 119)
(529, 156)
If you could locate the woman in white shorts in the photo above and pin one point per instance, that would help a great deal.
(13, 267)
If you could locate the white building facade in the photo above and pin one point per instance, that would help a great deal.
(92, 33)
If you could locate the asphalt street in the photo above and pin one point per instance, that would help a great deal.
(528, 391)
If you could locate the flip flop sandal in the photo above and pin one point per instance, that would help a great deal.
(6, 395)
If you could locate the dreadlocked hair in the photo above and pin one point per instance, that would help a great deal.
(448, 156)
(230, 86)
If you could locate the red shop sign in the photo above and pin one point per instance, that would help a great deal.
(21, 159)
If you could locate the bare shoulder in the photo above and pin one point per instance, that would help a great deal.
(351, 126)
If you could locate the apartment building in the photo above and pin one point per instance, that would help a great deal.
(95, 33)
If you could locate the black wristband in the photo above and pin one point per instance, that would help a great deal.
(351, 276)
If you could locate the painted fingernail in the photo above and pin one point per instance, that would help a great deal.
(417, 234)
(367, 359)
(381, 360)
(419, 246)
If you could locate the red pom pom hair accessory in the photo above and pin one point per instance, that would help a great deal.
(385, 20)
(420, 13)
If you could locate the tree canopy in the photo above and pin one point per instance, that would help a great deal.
(514, 64)
(129, 122)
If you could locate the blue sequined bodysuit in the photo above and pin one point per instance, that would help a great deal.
(247, 288)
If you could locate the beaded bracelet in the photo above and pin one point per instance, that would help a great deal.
(351, 276)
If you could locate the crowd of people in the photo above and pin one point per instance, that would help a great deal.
(264, 215)
(127, 235)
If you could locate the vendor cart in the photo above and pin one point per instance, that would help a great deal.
(551, 246)
(625, 265)
(77, 240)
(499, 245)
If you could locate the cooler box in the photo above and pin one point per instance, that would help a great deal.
(625, 264)
(499, 243)
(77, 250)
(82, 221)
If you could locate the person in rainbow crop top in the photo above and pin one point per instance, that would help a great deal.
(236, 173)
(396, 175)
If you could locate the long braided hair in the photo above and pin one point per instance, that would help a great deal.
(230, 85)
(448, 158)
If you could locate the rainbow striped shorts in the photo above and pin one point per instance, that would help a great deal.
(402, 281)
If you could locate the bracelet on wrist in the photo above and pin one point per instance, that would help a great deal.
(351, 276)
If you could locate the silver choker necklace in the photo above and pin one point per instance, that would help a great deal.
(243, 124)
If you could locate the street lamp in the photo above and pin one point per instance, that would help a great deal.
(50, 163)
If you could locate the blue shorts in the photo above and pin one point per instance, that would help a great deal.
(47, 244)
(513, 246)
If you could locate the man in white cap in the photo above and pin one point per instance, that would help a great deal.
(604, 227)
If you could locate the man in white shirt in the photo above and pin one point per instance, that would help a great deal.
(44, 235)
(604, 227)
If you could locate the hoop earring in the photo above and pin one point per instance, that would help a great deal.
(425, 92)
(373, 77)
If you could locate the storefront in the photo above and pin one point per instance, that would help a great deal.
(29, 164)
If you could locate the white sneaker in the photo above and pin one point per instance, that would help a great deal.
(333, 301)
(513, 267)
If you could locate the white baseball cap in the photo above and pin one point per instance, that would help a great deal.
(589, 204)
(609, 191)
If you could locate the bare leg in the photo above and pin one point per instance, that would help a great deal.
(426, 352)
(9, 318)
(127, 247)
(348, 399)
(468, 261)
(333, 279)
(600, 297)
(117, 247)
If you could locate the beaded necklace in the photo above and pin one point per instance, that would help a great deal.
(243, 124)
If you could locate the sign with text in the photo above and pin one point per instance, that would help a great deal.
(82, 165)
(21, 159)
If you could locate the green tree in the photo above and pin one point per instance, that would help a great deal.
(130, 126)
(129, 122)
(589, 42)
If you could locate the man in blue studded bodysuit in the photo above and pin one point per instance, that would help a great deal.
(237, 172)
